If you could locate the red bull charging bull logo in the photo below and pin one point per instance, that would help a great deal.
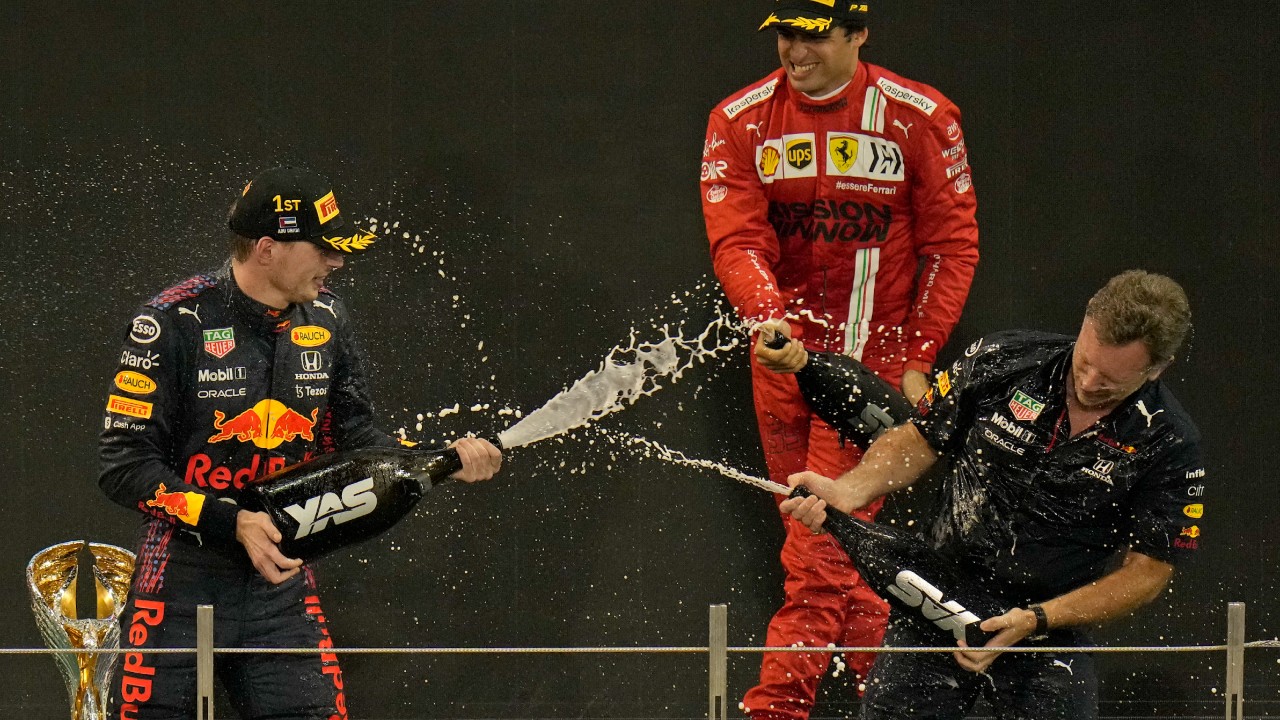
(184, 506)
(267, 425)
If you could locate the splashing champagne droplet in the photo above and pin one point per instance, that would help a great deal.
(679, 458)
(625, 375)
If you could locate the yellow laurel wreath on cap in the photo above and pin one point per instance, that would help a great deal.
(355, 243)
(810, 25)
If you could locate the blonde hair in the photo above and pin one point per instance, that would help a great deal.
(1138, 305)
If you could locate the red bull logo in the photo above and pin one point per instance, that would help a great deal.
(184, 506)
(267, 425)
(1191, 532)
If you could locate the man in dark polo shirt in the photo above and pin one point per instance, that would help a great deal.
(1074, 485)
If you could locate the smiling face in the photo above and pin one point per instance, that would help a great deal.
(1104, 375)
(818, 63)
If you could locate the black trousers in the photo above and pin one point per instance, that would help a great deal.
(1018, 686)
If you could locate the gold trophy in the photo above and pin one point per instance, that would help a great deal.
(51, 578)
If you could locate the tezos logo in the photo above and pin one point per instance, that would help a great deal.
(145, 330)
(357, 500)
(917, 592)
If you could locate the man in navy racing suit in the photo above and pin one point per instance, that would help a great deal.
(1075, 484)
(223, 378)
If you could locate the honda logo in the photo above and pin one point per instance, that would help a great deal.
(311, 361)
(1104, 467)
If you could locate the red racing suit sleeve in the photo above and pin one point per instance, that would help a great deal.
(143, 415)
(744, 246)
(945, 236)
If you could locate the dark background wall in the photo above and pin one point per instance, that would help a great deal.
(545, 155)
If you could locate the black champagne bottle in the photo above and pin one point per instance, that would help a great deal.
(913, 577)
(848, 396)
(345, 497)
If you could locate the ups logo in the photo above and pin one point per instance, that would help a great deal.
(800, 153)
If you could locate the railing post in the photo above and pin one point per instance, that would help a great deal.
(1235, 661)
(204, 662)
(718, 658)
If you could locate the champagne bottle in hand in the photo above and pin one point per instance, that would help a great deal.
(913, 577)
(848, 396)
(345, 497)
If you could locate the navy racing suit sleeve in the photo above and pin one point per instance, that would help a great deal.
(947, 410)
(144, 414)
(1168, 503)
(349, 422)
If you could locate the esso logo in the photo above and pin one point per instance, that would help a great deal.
(145, 330)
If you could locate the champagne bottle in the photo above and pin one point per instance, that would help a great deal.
(913, 577)
(848, 396)
(345, 497)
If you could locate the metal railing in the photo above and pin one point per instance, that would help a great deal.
(717, 651)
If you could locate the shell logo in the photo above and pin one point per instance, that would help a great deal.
(134, 382)
(310, 336)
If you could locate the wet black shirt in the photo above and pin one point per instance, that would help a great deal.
(1034, 511)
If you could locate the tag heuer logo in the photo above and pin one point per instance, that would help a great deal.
(220, 341)
(1024, 407)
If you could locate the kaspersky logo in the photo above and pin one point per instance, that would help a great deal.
(267, 425)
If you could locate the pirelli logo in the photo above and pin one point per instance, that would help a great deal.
(126, 406)
(760, 94)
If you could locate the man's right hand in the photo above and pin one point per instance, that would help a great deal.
(812, 511)
(789, 358)
(261, 539)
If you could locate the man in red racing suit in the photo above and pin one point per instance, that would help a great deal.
(840, 211)
(223, 378)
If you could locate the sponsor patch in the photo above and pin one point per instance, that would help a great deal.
(219, 341)
(953, 131)
(944, 383)
(310, 336)
(267, 424)
(963, 183)
(768, 160)
(146, 362)
(717, 193)
(134, 382)
(753, 96)
(711, 144)
(1195, 510)
(958, 168)
(145, 330)
(864, 156)
(1024, 407)
(799, 154)
(1192, 532)
(128, 406)
(714, 169)
(910, 97)
(185, 506)
(327, 208)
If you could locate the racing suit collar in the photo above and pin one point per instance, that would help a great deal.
(257, 315)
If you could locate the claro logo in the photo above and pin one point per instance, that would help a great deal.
(917, 592)
(357, 500)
